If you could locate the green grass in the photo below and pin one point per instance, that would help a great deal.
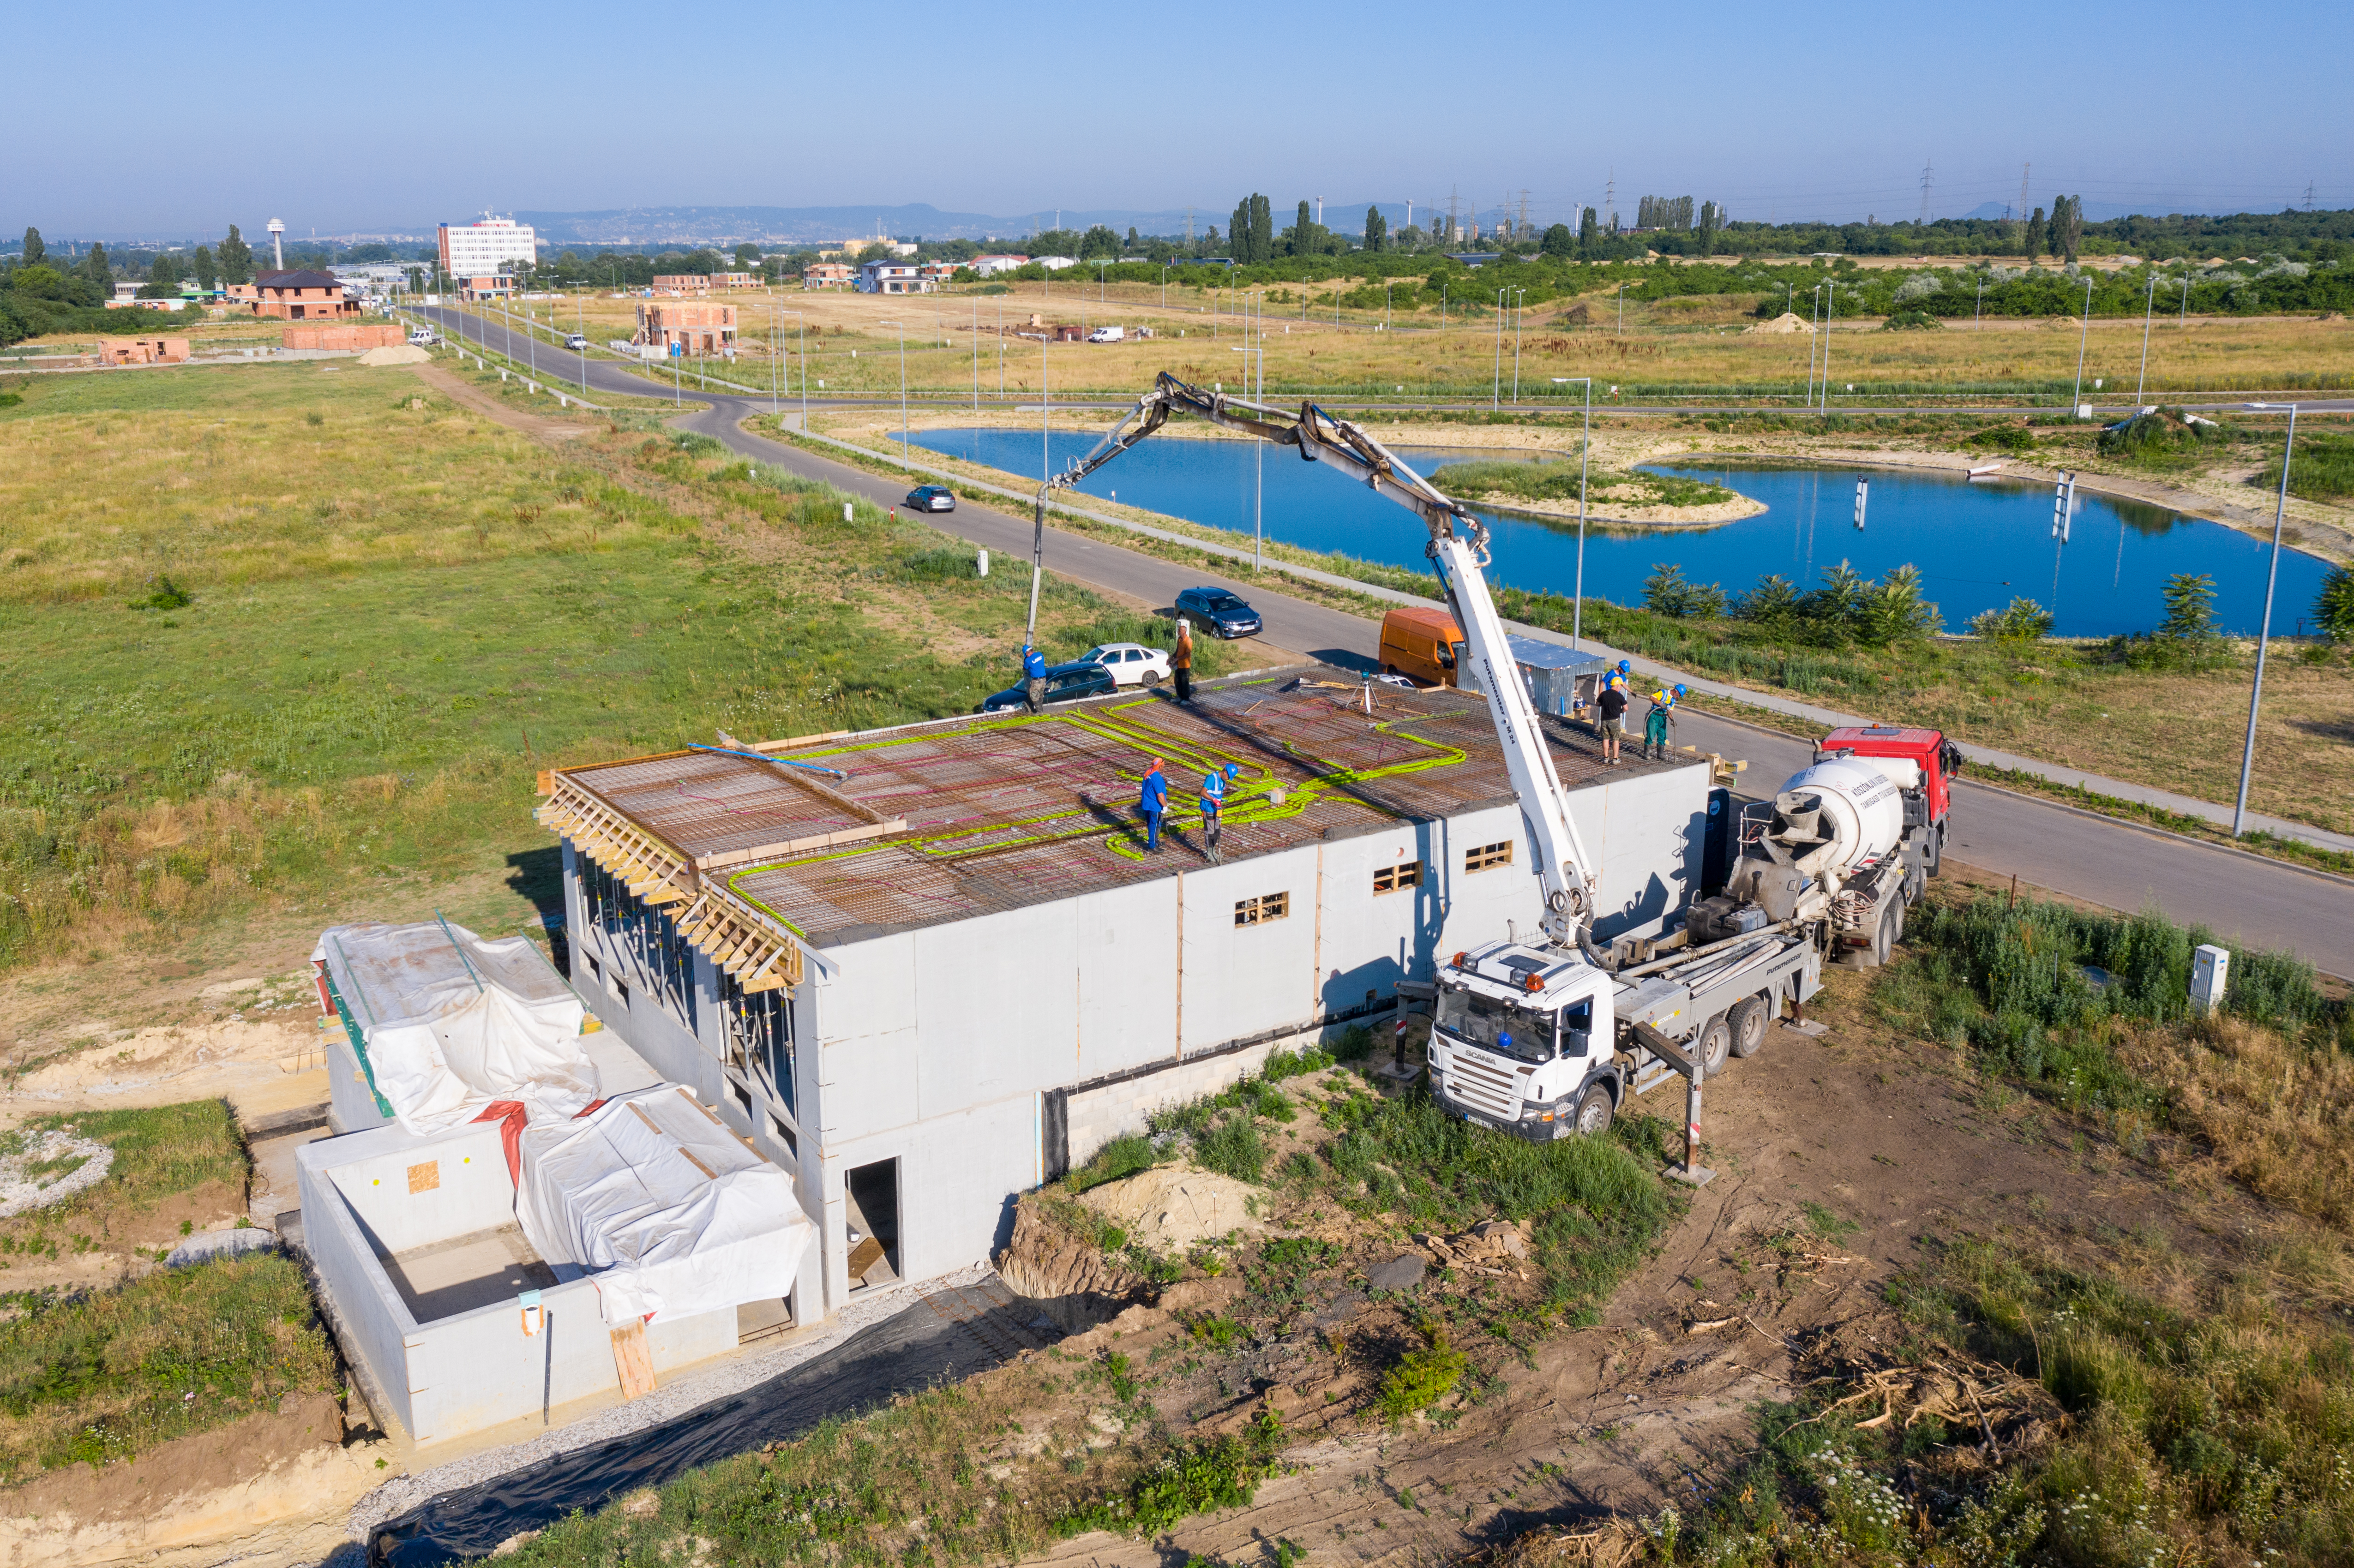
(160, 1153)
(392, 620)
(1558, 480)
(2324, 469)
(2216, 1428)
(101, 1378)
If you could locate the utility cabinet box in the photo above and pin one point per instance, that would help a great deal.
(2211, 972)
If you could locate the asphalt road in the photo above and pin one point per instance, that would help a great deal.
(2242, 897)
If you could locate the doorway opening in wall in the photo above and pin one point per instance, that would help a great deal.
(873, 1193)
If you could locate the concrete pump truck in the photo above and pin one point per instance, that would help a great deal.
(1545, 1038)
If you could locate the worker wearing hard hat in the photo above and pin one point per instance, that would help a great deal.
(1150, 803)
(1033, 678)
(1657, 722)
(1214, 798)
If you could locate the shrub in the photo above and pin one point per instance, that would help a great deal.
(1233, 1147)
(1892, 611)
(2022, 620)
(1200, 1475)
(2334, 606)
(1668, 592)
(1422, 1377)
(2324, 469)
(164, 594)
(2189, 608)
(2167, 437)
(2004, 438)
(1911, 320)
(1122, 1157)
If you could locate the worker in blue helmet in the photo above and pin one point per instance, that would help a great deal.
(1033, 678)
(1213, 799)
(1657, 722)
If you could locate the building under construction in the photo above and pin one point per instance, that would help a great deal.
(926, 968)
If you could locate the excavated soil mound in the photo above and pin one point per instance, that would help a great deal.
(1064, 1272)
(1786, 322)
(1171, 1207)
(406, 353)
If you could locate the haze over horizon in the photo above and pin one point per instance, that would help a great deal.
(1096, 111)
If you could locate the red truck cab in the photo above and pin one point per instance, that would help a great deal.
(1938, 759)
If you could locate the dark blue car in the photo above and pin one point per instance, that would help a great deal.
(1064, 684)
(1221, 611)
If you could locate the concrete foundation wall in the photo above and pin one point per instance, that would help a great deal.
(472, 1370)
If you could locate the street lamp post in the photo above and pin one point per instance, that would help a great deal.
(1978, 309)
(1519, 305)
(1622, 309)
(1585, 446)
(2083, 335)
(1831, 314)
(2264, 631)
(903, 382)
(1496, 394)
(2147, 304)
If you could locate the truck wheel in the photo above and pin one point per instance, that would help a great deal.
(1883, 938)
(1747, 1021)
(1713, 1045)
(1938, 850)
(1592, 1117)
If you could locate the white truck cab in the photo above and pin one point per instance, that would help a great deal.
(1522, 1040)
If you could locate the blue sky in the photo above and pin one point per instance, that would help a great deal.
(346, 120)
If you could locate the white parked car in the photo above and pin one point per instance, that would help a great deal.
(1131, 663)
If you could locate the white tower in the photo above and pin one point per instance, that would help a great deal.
(278, 243)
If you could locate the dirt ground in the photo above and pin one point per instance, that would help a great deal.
(1841, 1161)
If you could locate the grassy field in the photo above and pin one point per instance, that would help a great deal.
(392, 615)
(1693, 346)
(2205, 1409)
(95, 1376)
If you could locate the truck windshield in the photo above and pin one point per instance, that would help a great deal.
(1497, 1025)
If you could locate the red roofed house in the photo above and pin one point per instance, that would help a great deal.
(301, 296)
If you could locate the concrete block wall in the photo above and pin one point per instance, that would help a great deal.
(459, 1374)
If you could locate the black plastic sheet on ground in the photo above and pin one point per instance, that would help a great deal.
(939, 1335)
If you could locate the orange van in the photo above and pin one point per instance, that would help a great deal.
(1424, 645)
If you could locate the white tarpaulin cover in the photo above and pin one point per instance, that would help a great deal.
(452, 1022)
(668, 1210)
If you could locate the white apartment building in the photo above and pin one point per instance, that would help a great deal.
(485, 247)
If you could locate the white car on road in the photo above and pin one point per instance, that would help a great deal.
(1131, 663)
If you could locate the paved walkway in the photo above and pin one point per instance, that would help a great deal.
(1826, 718)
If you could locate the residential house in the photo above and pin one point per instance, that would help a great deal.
(302, 295)
(693, 329)
(829, 275)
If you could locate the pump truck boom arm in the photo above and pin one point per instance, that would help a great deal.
(1458, 547)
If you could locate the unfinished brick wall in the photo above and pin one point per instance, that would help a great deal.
(354, 338)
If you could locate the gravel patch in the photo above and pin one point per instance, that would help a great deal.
(676, 1398)
(22, 1189)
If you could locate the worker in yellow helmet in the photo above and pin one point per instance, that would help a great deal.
(1656, 722)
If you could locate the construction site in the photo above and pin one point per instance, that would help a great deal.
(929, 969)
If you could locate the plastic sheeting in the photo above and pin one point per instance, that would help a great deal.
(668, 1210)
(453, 1022)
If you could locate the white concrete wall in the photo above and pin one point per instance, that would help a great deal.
(351, 1104)
(473, 1192)
(458, 1374)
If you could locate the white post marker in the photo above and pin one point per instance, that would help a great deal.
(846, 511)
(1862, 496)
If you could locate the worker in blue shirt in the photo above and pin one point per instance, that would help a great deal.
(1034, 677)
(1656, 722)
(1152, 803)
(1214, 797)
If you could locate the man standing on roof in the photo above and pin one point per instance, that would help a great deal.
(1181, 660)
(1033, 678)
(1656, 722)
(1611, 717)
(1152, 803)
(1214, 797)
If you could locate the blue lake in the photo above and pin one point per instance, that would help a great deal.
(1976, 546)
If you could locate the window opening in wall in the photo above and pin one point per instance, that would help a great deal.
(621, 992)
(783, 1134)
(757, 1038)
(1487, 855)
(1391, 878)
(1260, 910)
(645, 938)
(871, 1207)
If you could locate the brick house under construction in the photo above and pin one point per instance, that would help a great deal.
(926, 969)
(301, 296)
(695, 329)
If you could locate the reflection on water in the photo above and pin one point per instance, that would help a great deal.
(1977, 545)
